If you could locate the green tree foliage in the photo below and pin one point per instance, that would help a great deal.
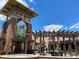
(5, 24)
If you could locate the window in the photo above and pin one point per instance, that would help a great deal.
(21, 29)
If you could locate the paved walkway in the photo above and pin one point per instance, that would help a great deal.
(27, 56)
(19, 56)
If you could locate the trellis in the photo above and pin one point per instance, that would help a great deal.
(54, 38)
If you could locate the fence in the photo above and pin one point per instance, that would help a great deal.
(59, 43)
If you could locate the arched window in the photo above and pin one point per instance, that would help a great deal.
(21, 29)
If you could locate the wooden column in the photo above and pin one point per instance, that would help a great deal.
(75, 45)
(1, 45)
(2, 35)
(69, 46)
(64, 46)
(10, 35)
(58, 43)
(40, 42)
(35, 42)
(28, 46)
(43, 42)
(53, 39)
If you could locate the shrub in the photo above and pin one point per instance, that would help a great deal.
(2, 53)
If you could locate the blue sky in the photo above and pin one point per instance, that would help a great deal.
(57, 12)
(54, 14)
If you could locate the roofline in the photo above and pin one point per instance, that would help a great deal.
(25, 8)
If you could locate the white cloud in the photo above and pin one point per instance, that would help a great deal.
(75, 26)
(32, 1)
(53, 27)
(65, 28)
(57, 27)
(26, 4)
(23, 2)
(32, 8)
(2, 17)
(2, 3)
